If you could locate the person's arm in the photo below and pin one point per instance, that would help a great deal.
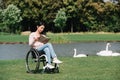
(31, 40)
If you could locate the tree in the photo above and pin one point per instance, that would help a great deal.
(71, 13)
(37, 10)
(2, 4)
(82, 15)
(99, 16)
(11, 18)
(60, 20)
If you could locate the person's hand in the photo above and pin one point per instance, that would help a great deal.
(36, 38)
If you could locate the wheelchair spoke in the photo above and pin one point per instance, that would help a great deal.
(32, 62)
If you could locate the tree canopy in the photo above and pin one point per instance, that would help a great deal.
(60, 20)
(82, 15)
(10, 17)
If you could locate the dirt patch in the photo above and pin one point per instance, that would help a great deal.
(25, 33)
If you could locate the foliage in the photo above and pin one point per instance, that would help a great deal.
(36, 10)
(60, 20)
(72, 14)
(11, 18)
(82, 15)
(99, 16)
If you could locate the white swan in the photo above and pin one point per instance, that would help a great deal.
(79, 55)
(115, 54)
(107, 52)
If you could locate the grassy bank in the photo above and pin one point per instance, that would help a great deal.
(82, 37)
(90, 68)
(66, 37)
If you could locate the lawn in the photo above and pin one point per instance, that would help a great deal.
(90, 68)
(13, 38)
(65, 37)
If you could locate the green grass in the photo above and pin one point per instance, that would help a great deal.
(90, 68)
(78, 37)
(94, 37)
(13, 38)
(65, 37)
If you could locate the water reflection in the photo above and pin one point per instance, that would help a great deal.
(18, 51)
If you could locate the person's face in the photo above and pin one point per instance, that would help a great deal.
(40, 28)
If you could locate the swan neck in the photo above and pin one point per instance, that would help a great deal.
(74, 52)
(107, 46)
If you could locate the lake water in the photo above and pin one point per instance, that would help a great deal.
(19, 51)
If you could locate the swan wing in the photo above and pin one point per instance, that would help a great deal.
(115, 54)
(104, 53)
(81, 55)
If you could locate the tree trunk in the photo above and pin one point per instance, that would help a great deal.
(71, 26)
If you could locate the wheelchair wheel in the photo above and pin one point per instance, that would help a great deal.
(32, 61)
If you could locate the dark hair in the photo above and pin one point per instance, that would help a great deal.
(40, 23)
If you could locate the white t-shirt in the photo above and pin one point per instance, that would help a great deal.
(32, 42)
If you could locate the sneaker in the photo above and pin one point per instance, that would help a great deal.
(49, 66)
(56, 61)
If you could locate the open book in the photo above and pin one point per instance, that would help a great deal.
(44, 39)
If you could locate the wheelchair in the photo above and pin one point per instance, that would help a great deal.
(36, 62)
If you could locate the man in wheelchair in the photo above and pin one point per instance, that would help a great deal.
(36, 43)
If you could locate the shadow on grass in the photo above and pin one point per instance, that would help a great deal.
(42, 71)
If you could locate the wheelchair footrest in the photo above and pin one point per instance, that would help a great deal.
(53, 70)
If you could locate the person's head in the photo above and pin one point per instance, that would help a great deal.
(40, 27)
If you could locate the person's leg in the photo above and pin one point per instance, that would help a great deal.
(51, 52)
(48, 55)
(47, 52)
(49, 45)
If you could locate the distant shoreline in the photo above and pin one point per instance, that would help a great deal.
(64, 38)
(53, 43)
(13, 42)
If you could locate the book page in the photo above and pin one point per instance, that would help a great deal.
(44, 39)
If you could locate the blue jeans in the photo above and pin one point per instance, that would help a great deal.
(49, 51)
